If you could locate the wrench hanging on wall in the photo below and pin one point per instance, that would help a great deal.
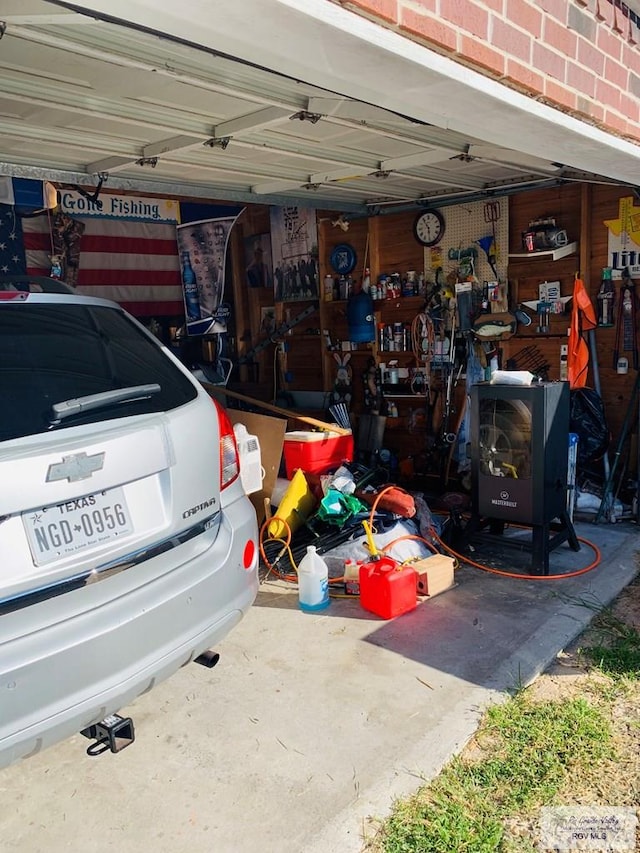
(626, 325)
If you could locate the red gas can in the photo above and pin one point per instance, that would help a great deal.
(387, 588)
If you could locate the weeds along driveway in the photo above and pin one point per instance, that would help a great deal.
(310, 723)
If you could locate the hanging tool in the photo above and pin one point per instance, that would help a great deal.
(595, 370)
(447, 437)
(282, 329)
(544, 310)
(606, 298)
(626, 325)
(529, 358)
(607, 502)
(492, 215)
(487, 244)
(448, 366)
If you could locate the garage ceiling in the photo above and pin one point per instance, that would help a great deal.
(84, 99)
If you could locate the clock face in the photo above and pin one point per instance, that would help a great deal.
(429, 227)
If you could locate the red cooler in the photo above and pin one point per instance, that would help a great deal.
(387, 588)
(316, 452)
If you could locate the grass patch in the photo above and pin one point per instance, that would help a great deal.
(520, 758)
(615, 648)
(573, 740)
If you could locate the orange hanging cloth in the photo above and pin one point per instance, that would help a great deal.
(583, 319)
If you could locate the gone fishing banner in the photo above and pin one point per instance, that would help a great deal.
(202, 247)
(115, 247)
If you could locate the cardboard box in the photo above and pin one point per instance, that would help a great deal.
(434, 574)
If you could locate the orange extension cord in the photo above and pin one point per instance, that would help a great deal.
(574, 574)
(460, 557)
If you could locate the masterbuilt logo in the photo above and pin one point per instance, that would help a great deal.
(503, 500)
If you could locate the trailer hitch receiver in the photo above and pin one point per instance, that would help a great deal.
(113, 733)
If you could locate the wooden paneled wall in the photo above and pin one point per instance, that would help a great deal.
(249, 302)
(527, 273)
(582, 210)
(603, 204)
(386, 244)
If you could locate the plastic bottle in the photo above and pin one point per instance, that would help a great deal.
(313, 581)
(328, 288)
(352, 576)
(191, 295)
(361, 318)
(344, 287)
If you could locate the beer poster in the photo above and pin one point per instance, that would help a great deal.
(202, 249)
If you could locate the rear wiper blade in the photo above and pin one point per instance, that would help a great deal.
(104, 400)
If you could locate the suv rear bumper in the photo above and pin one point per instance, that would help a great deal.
(86, 654)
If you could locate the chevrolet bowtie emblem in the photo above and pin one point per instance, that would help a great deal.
(76, 467)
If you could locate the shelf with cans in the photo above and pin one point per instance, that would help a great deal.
(387, 287)
(401, 376)
(394, 358)
(403, 361)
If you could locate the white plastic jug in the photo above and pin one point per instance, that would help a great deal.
(251, 471)
(313, 581)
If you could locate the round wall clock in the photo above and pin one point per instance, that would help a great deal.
(343, 259)
(428, 227)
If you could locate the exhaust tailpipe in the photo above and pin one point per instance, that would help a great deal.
(208, 659)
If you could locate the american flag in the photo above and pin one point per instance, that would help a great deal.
(131, 262)
(12, 258)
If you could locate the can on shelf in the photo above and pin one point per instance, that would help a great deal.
(398, 336)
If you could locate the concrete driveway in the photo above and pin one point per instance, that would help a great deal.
(310, 724)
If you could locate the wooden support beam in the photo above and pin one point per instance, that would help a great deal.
(269, 407)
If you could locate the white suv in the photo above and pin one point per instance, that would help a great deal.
(127, 544)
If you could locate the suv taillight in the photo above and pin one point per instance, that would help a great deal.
(229, 460)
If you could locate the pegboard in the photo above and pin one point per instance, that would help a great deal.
(465, 225)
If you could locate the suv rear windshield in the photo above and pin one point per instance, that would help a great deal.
(53, 352)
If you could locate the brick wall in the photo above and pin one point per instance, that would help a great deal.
(580, 56)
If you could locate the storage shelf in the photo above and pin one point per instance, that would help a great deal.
(381, 355)
(399, 300)
(380, 303)
(352, 352)
(553, 254)
(538, 336)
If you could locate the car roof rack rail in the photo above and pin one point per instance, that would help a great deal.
(34, 284)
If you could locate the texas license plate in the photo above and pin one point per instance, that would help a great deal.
(65, 528)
